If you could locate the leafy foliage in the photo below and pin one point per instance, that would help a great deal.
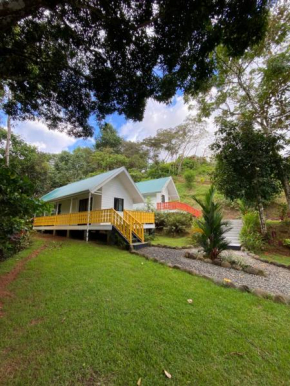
(177, 223)
(66, 60)
(250, 236)
(189, 176)
(211, 228)
(17, 210)
(27, 161)
(247, 161)
(173, 223)
(108, 138)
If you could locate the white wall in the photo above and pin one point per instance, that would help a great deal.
(155, 198)
(115, 188)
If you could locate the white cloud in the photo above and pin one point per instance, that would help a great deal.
(36, 133)
(157, 116)
(162, 116)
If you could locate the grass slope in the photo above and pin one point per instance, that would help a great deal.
(84, 314)
(172, 241)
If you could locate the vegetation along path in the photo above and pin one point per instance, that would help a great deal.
(277, 280)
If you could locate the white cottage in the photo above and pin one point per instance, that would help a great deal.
(161, 190)
(101, 203)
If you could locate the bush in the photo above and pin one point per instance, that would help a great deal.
(250, 236)
(173, 223)
(160, 220)
(189, 176)
(286, 243)
(177, 223)
(251, 221)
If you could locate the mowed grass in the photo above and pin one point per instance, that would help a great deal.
(276, 258)
(181, 241)
(84, 314)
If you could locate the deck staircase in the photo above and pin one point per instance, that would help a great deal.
(178, 206)
(232, 236)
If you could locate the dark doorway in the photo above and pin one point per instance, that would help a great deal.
(83, 204)
(119, 204)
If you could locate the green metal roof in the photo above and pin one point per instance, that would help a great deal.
(152, 186)
(80, 186)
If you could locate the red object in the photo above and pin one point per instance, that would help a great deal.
(176, 205)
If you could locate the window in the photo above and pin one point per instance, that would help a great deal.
(59, 209)
(162, 198)
(119, 204)
(83, 204)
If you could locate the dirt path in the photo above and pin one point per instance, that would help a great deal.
(9, 277)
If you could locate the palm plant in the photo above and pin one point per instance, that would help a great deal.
(211, 227)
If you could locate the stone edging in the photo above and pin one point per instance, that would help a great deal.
(282, 299)
(170, 247)
(226, 264)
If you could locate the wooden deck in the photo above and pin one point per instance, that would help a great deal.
(131, 224)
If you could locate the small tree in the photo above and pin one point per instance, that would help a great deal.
(211, 227)
(189, 176)
(246, 166)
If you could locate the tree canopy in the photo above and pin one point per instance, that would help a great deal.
(67, 60)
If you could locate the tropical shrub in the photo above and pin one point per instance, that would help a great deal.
(189, 176)
(177, 223)
(173, 223)
(250, 236)
(211, 228)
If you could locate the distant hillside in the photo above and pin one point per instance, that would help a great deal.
(202, 184)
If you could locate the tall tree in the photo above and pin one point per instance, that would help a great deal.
(246, 166)
(69, 167)
(27, 161)
(65, 60)
(108, 138)
(256, 86)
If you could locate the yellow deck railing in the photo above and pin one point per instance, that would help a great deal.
(125, 224)
(143, 217)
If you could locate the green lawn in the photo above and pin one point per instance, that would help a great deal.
(85, 314)
(172, 241)
(277, 258)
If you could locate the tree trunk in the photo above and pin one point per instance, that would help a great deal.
(262, 218)
(8, 140)
(286, 187)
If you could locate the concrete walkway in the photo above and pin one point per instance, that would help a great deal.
(232, 236)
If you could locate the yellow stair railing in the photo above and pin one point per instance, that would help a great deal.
(122, 225)
(136, 226)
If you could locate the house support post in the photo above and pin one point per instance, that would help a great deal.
(88, 220)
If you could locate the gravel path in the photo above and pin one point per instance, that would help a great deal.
(277, 281)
